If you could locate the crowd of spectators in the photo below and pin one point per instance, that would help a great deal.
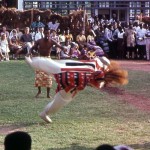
(104, 37)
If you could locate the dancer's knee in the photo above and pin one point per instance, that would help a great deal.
(63, 95)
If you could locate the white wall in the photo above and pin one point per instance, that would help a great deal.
(20, 4)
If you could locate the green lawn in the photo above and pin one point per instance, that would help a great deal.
(93, 118)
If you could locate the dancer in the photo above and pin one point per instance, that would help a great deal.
(73, 76)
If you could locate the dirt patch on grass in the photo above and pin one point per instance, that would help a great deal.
(135, 65)
(10, 128)
(139, 101)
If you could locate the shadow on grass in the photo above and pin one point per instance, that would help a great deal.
(73, 146)
(142, 146)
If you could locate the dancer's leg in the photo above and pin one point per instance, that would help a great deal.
(60, 100)
(38, 93)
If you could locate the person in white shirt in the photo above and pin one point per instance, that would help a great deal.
(120, 43)
(4, 31)
(55, 37)
(62, 38)
(40, 34)
(110, 40)
(4, 48)
(141, 43)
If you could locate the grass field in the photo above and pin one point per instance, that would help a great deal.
(93, 118)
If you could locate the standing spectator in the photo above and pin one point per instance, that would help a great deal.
(114, 18)
(141, 43)
(109, 38)
(4, 48)
(130, 38)
(18, 140)
(120, 43)
(148, 43)
(53, 25)
(26, 40)
(37, 23)
(4, 31)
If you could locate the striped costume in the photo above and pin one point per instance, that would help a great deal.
(71, 77)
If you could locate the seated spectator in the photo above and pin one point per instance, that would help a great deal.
(105, 147)
(18, 140)
(19, 33)
(4, 31)
(34, 32)
(14, 45)
(55, 37)
(65, 54)
(62, 38)
(84, 53)
(74, 51)
(68, 36)
(91, 53)
(26, 40)
(122, 147)
(81, 39)
(91, 37)
(39, 34)
(4, 48)
(110, 147)
(98, 51)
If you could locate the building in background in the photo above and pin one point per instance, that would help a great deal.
(125, 10)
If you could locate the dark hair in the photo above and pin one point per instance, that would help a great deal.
(46, 28)
(105, 147)
(18, 140)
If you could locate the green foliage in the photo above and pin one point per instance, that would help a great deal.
(93, 118)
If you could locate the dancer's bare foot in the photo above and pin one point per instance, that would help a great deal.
(37, 95)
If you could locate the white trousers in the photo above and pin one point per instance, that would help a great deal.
(60, 100)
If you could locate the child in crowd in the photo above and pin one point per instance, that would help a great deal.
(4, 48)
(74, 51)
